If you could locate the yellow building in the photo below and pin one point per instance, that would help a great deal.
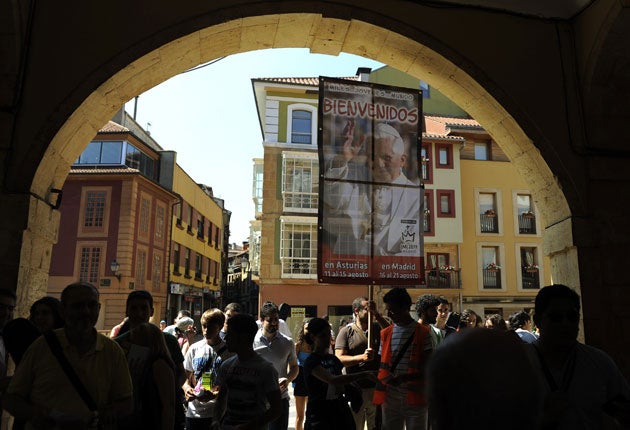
(195, 265)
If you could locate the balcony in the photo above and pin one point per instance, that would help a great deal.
(531, 278)
(437, 278)
(488, 223)
(492, 278)
(526, 223)
(300, 201)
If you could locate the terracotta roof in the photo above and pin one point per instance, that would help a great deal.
(300, 81)
(443, 137)
(450, 121)
(112, 127)
(123, 170)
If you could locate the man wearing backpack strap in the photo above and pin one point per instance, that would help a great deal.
(42, 392)
(405, 349)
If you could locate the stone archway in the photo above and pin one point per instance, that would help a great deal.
(320, 35)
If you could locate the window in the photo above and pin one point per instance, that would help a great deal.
(101, 153)
(200, 227)
(189, 219)
(217, 237)
(444, 156)
(187, 263)
(254, 247)
(428, 219)
(137, 159)
(210, 232)
(156, 275)
(94, 212)
(301, 126)
(298, 248)
(437, 259)
(141, 266)
(491, 268)
(424, 87)
(446, 203)
(488, 214)
(425, 163)
(145, 211)
(160, 216)
(530, 269)
(197, 266)
(481, 151)
(257, 188)
(94, 209)
(178, 211)
(89, 265)
(212, 269)
(526, 214)
(300, 182)
(176, 258)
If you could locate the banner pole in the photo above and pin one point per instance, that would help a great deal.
(370, 299)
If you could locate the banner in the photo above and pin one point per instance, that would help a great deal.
(371, 194)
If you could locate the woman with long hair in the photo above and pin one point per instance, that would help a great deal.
(152, 372)
(327, 408)
(302, 351)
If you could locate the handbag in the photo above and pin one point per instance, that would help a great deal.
(55, 348)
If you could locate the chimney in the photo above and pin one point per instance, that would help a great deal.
(245, 245)
(364, 73)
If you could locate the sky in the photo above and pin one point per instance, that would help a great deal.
(208, 116)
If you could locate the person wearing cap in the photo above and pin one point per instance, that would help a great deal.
(162, 325)
(387, 214)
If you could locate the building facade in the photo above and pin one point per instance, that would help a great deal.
(498, 271)
(119, 231)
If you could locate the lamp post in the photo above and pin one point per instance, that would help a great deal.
(114, 267)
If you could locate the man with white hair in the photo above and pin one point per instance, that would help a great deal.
(393, 202)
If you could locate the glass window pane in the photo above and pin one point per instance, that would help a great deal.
(301, 122)
(486, 202)
(444, 205)
(91, 154)
(111, 153)
(443, 156)
(481, 151)
(523, 203)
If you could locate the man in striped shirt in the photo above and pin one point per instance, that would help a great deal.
(405, 348)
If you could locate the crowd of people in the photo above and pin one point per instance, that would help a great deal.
(439, 369)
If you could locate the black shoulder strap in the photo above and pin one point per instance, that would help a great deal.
(209, 362)
(55, 347)
(401, 352)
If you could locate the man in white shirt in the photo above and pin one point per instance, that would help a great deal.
(202, 363)
(279, 350)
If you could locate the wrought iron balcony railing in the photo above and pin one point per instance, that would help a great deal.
(526, 224)
(492, 278)
(437, 278)
(531, 278)
(489, 223)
